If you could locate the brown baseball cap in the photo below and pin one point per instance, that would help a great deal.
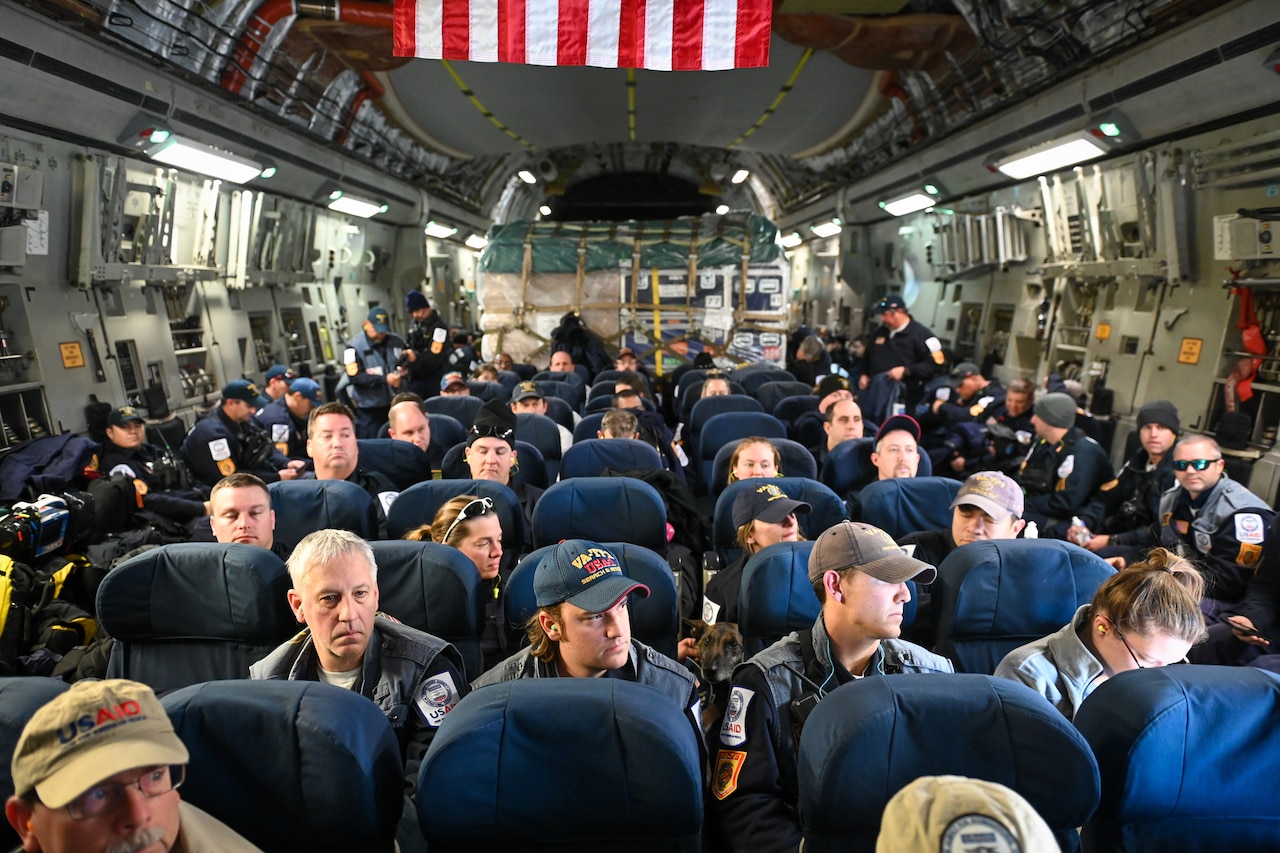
(994, 493)
(93, 731)
(857, 545)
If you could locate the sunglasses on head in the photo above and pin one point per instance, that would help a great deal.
(474, 509)
(504, 433)
(1198, 464)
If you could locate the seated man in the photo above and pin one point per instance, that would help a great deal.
(504, 361)
(228, 440)
(583, 630)
(413, 677)
(1250, 630)
(98, 769)
(715, 385)
(626, 360)
(618, 423)
(561, 362)
(528, 399)
(331, 443)
(1009, 426)
(652, 429)
(454, 385)
(896, 455)
(954, 417)
(275, 384)
(407, 422)
(843, 422)
(491, 454)
(240, 511)
(1064, 469)
(286, 417)
(154, 472)
(808, 427)
(1216, 523)
(860, 575)
(1121, 519)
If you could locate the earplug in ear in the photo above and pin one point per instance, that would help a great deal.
(1102, 629)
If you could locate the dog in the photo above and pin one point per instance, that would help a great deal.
(719, 651)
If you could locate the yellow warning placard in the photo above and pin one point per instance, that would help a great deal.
(72, 355)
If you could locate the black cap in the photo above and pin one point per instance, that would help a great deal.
(966, 369)
(830, 384)
(900, 422)
(890, 302)
(1160, 412)
(494, 420)
(765, 502)
(123, 415)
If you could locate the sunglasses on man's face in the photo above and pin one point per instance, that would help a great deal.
(1198, 464)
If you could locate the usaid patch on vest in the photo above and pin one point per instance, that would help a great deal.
(733, 731)
(710, 611)
(973, 832)
(944, 394)
(1250, 528)
(935, 350)
(387, 499)
(279, 433)
(219, 449)
(122, 469)
(1068, 465)
(350, 360)
(436, 697)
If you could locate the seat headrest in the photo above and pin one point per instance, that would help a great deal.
(645, 779)
(776, 597)
(590, 457)
(604, 509)
(429, 586)
(1187, 741)
(198, 589)
(305, 506)
(291, 765)
(905, 505)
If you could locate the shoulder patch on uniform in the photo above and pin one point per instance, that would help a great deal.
(1249, 528)
(933, 344)
(710, 611)
(733, 731)
(349, 355)
(279, 433)
(219, 449)
(122, 469)
(1249, 555)
(728, 766)
(944, 394)
(1106, 487)
(1166, 518)
(436, 697)
(387, 499)
(1068, 465)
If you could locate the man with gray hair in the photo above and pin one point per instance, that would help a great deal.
(413, 677)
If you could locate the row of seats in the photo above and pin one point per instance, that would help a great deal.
(1170, 759)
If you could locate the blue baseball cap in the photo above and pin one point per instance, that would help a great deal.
(241, 389)
(380, 320)
(892, 302)
(308, 388)
(280, 370)
(583, 573)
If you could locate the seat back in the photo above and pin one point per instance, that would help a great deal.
(715, 405)
(587, 427)
(486, 391)
(560, 411)
(645, 779)
(589, 457)
(573, 378)
(194, 611)
(602, 509)
(434, 588)
(797, 461)
(866, 741)
(20, 697)
(752, 378)
(997, 595)
(804, 421)
(461, 409)
(399, 461)
(789, 408)
(418, 505)
(600, 388)
(689, 377)
(770, 394)
(541, 432)
(828, 510)
(509, 379)
(446, 431)
(655, 621)
(775, 597)
(574, 395)
(903, 506)
(305, 506)
(1189, 756)
(168, 433)
(524, 371)
(531, 470)
(265, 757)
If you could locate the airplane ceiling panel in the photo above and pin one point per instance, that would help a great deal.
(559, 107)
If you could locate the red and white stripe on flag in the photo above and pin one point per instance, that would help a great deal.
(662, 35)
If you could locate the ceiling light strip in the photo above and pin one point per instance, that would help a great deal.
(484, 111)
(782, 93)
(631, 103)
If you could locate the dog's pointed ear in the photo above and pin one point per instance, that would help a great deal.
(695, 627)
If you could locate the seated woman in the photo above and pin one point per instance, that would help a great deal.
(764, 516)
(486, 373)
(755, 456)
(471, 525)
(1145, 615)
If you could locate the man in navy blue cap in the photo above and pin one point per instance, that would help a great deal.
(229, 439)
(427, 357)
(286, 418)
(373, 377)
(277, 384)
(902, 349)
(583, 628)
(161, 486)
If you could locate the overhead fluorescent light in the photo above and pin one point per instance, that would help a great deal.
(722, 209)
(740, 176)
(545, 210)
(475, 241)
(526, 176)
(826, 229)
(205, 160)
(439, 230)
(268, 167)
(340, 201)
(790, 241)
(1053, 156)
(910, 203)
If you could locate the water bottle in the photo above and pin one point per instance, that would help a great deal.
(1082, 536)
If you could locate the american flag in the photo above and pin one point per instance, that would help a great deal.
(661, 35)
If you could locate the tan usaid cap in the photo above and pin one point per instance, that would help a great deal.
(955, 814)
(994, 493)
(856, 545)
(93, 731)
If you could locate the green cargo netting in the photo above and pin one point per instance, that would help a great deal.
(663, 245)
